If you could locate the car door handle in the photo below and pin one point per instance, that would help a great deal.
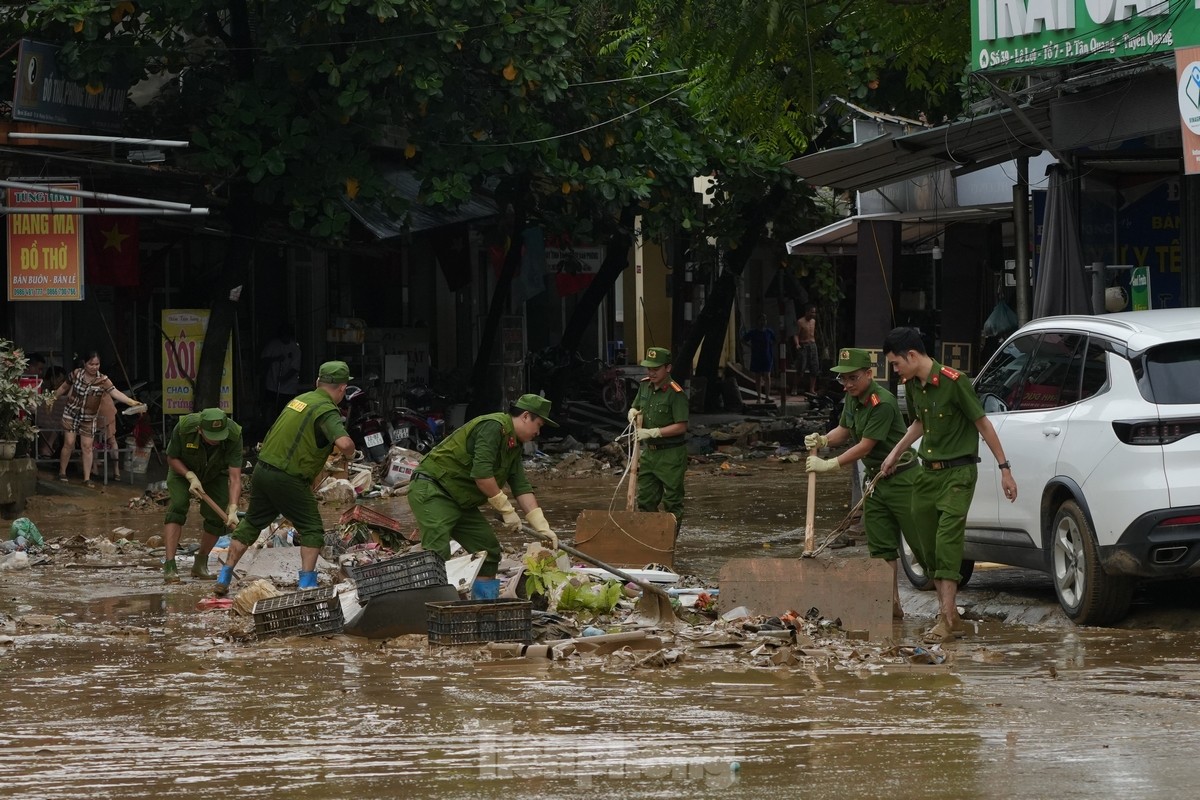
(1051, 430)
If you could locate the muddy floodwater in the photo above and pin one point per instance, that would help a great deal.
(138, 694)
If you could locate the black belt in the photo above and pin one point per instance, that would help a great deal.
(422, 476)
(954, 462)
(868, 474)
(664, 445)
(266, 466)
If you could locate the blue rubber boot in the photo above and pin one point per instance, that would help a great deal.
(308, 580)
(224, 578)
(485, 589)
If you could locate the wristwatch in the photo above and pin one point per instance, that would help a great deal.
(1004, 465)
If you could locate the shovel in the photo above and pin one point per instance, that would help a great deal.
(653, 607)
(212, 503)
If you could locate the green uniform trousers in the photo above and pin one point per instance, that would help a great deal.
(274, 493)
(181, 500)
(939, 507)
(887, 514)
(660, 480)
(442, 519)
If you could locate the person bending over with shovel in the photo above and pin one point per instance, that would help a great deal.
(293, 454)
(948, 418)
(871, 415)
(470, 467)
(663, 406)
(204, 460)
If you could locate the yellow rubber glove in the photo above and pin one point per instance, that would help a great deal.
(648, 433)
(537, 521)
(815, 464)
(194, 484)
(815, 440)
(232, 517)
(512, 522)
(633, 414)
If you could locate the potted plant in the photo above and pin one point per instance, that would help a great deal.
(18, 404)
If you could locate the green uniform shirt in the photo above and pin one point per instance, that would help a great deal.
(303, 435)
(486, 447)
(947, 406)
(875, 415)
(662, 407)
(206, 460)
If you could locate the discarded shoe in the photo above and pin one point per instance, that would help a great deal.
(200, 570)
(940, 633)
(170, 572)
(224, 578)
(308, 580)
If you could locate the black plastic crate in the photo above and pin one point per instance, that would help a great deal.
(410, 571)
(304, 613)
(479, 621)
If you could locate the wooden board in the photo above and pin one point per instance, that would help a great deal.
(627, 538)
(856, 590)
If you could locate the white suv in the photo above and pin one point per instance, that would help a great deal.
(1100, 418)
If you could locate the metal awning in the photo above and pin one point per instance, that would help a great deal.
(916, 228)
(962, 146)
(419, 216)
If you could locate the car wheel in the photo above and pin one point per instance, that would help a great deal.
(916, 573)
(1085, 591)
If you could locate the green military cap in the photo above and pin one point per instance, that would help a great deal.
(536, 404)
(214, 425)
(334, 372)
(851, 359)
(657, 357)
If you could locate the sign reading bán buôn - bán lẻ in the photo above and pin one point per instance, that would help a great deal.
(45, 251)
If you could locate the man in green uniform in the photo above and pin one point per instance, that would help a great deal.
(947, 417)
(204, 457)
(872, 416)
(294, 452)
(663, 407)
(470, 467)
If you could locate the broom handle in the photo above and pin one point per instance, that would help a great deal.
(810, 515)
(631, 497)
(220, 511)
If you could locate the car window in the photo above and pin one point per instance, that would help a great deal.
(1171, 374)
(998, 386)
(1095, 370)
(1052, 379)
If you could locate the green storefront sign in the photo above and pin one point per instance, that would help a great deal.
(1032, 34)
(1139, 288)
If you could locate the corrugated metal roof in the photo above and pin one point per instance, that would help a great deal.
(916, 228)
(964, 146)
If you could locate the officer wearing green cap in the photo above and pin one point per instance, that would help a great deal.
(871, 418)
(204, 457)
(949, 420)
(293, 454)
(663, 407)
(470, 467)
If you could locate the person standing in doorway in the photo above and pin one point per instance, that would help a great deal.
(84, 388)
(807, 361)
(281, 370)
(871, 417)
(204, 457)
(663, 407)
(949, 420)
(295, 451)
(762, 357)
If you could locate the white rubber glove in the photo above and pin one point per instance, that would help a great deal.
(194, 485)
(512, 522)
(633, 414)
(814, 464)
(537, 521)
(648, 433)
(815, 440)
(231, 521)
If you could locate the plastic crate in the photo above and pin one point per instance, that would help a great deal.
(480, 621)
(305, 613)
(410, 571)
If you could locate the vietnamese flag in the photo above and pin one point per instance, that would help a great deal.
(112, 250)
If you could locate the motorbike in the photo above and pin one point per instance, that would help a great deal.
(365, 425)
(410, 429)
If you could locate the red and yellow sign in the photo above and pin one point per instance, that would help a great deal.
(45, 251)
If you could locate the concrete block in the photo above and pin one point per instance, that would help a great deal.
(856, 590)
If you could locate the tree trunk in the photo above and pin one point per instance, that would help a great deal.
(485, 393)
